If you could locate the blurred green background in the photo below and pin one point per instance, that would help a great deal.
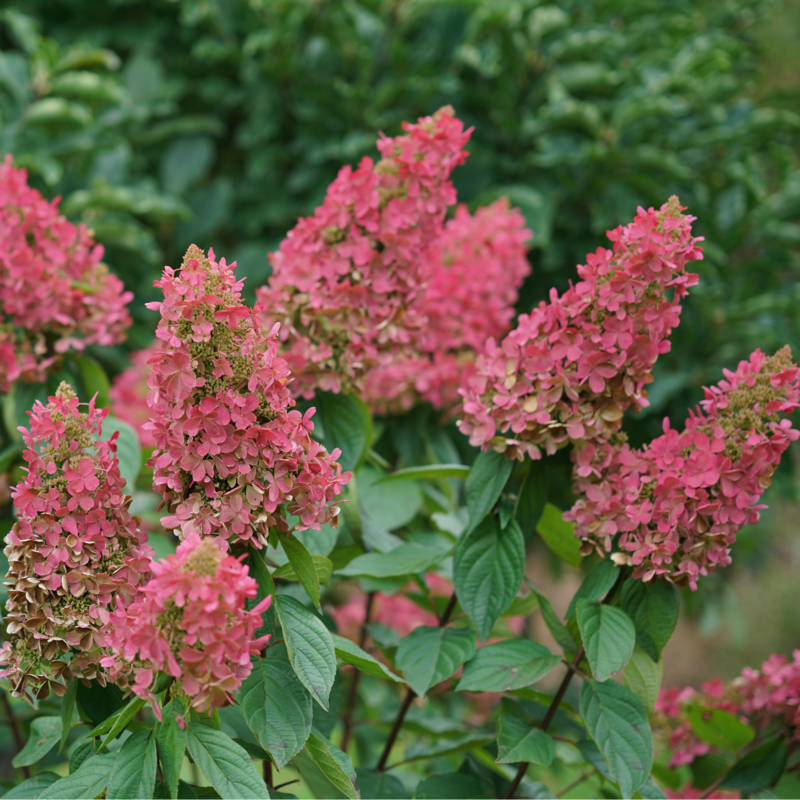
(219, 122)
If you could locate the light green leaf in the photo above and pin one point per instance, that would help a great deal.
(171, 746)
(45, 733)
(487, 478)
(519, 741)
(505, 666)
(387, 506)
(33, 787)
(333, 764)
(310, 648)
(595, 585)
(447, 747)
(556, 627)
(322, 565)
(380, 785)
(558, 535)
(407, 559)
(429, 472)
(95, 380)
(654, 609)
(134, 772)
(304, 567)
(89, 781)
(719, 728)
(488, 568)
(277, 707)
(129, 451)
(608, 636)
(121, 720)
(428, 655)
(351, 653)
(643, 678)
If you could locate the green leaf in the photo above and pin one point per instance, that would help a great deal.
(407, 559)
(45, 732)
(80, 751)
(617, 721)
(89, 781)
(122, 719)
(608, 636)
(532, 497)
(277, 707)
(487, 478)
(386, 506)
(33, 787)
(518, 741)
(322, 565)
(266, 587)
(344, 425)
(719, 728)
(649, 790)
(304, 567)
(380, 785)
(558, 535)
(595, 585)
(488, 568)
(310, 648)
(226, 765)
(98, 703)
(447, 747)
(94, 380)
(451, 786)
(332, 763)
(654, 609)
(21, 399)
(428, 472)
(522, 606)
(643, 678)
(556, 627)
(134, 772)
(129, 451)
(351, 653)
(759, 769)
(171, 746)
(428, 655)
(505, 666)
(67, 712)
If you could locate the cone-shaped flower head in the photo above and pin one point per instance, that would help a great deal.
(75, 553)
(573, 366)
(230, 449)
(678, 503)
(191, 623)
(344, 281)
(55, 294)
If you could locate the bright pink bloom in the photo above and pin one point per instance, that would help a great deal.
(75, 554)
(678, 503)
(573, 366)
(190, 622)
(55, 293)
(232, 457)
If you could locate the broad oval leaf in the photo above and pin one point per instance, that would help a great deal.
(486, 480)
(608, 636)
(408, 559)
(320, 756)
(89, 781)
(759, 769)
(505, 666)
(488, 567)
(617, 721)
(428, 655)
(654, 609)
(558, 535)
(351, 653)
(44, 734)
(643, 678)
(322, 565)
(33, 787)
(277, 707)
(226, 765)
(595, 585)
(303, 566)
(134, 772)
(719, 728)
(342, 421)
(519, 741)
(310, 647)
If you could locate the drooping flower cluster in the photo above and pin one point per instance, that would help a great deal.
(190, 622)
(75, 553)
(678, 503)
(129, 392)
(55, 293)
(230, 449)
(472, 273)
(345, 280)
(573, 366)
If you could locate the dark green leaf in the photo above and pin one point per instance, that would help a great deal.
(351, 653)
(556, 627)
(404, 560)
(344, 425)
(310, 648)
(134, 772)
(532, 497)
(428, 655)
(485, 481)
(125, 716)
(33, 787)
(519, 741)
(617, 721)
(759, 769)
(266, 587)
(18, 402)
(654, 609)
(643, 678)
(488, 568)
(228, 768)
(80, 751)
(558, 535)
(334, 765)
(68, 711)
(94, 379)
(608, 636)
(277, 706)
(45, 733)
(89, 781)
(97, 703)
(171, 746)
(595, 585)
(187, 791)
(304, 567)
(719, 728)
(505, 666)
(430, 472)
(451, 786)
(381, 785)
(445, 747)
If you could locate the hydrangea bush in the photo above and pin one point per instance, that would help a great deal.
(339, 610)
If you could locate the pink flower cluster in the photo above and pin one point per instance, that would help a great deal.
(678, 503)
(472, 272)
(230, 450)
(573, 366)
(129, 392)
(55, 294)
(189, 621)
(75, 553)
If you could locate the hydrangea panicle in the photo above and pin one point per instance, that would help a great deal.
(678, 503)
(75, 553)
(190, 622)
(55, 293)
(230, 449)
(575, 364)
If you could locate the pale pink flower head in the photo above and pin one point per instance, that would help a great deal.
(575, 364)
(190, 622)
(232, 457)
(75, 553)
(674, 507)
(55, 293)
